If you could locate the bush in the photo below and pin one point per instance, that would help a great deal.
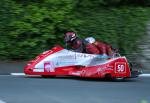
(120, 26)
(28, 27)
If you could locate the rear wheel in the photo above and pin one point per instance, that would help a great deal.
(108, 77)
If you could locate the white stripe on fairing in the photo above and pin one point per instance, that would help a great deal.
(17, 74)
(1, 101)
(38, 70)
(59, 59)
(144, 75)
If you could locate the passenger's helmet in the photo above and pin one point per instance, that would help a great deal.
(90, 40)
(69, 36)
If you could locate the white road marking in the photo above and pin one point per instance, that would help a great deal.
(22, 74)
(1, 101)
(17, 74)
(144, 75)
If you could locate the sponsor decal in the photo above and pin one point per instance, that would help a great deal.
(79, 73)
(107, 67)
(74, 55)
(76, 73)
(120, 67)
(101, 70)
(49, 66)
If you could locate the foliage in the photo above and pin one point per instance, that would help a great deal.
(31, 27)
(122, 27)
(28, 27)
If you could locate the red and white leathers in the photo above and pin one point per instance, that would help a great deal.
(103, 48)
(91, 49)
(98, 47)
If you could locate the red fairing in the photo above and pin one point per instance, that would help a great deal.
(31, 64)
(115, 67)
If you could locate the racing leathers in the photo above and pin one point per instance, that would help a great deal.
(89, 45)
(104, 48)
(76, 45)
(97, 47)
(91, 49)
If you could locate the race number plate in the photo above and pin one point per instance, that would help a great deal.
(120, 67)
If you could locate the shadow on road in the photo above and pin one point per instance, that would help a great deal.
(84, 79)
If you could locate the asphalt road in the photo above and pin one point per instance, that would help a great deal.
(11, 67)
(21, 89)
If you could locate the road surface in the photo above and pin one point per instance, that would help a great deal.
(22, 89)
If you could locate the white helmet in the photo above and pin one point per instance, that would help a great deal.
(90, 40)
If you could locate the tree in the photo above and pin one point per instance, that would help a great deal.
(34, 26)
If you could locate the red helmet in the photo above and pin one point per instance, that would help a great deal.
(70, 36)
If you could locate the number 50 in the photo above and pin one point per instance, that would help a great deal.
(121, 68)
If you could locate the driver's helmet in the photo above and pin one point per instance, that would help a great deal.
(69, 36)
(90, 40)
